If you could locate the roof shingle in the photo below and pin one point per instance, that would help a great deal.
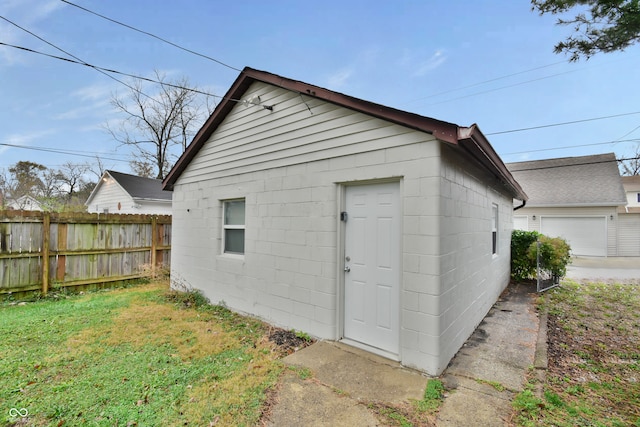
(571, 181)
(141, 188)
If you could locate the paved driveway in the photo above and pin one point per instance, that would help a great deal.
(605, 269)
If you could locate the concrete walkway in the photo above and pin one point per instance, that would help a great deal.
(492, 366)
(482, 378)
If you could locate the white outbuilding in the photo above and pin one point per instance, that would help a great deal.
(343, 218)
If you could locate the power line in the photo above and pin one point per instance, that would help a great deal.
(563, 123)
(73, 56)
(60, 151)
(151, 35)
(500, 88)
(485, 82)
(573, 146)
(80, 62)
(108, 70)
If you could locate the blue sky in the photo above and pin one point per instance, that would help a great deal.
(488, 62)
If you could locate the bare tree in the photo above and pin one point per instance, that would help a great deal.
(157, 126)
(96, 168)
(142, 168)
(631, 165)
(71, 176)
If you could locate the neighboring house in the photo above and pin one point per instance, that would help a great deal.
(629, 218)
(346, 219)
(121, 193)
(576, 198)
(25, 203)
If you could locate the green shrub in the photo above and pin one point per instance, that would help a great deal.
(521, 266)
(555, 255)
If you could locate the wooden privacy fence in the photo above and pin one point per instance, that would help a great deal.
(41, 250)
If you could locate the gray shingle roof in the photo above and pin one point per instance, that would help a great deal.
(571, 181)
(139, 187)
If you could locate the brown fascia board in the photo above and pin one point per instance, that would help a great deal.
(472, 140)
(444, 131)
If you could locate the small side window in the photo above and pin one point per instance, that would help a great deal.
(494, 229)
(233, 226)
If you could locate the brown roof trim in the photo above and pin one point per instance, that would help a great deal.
(473, 141)
(444, 131)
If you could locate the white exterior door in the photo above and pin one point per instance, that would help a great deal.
(586, 235)
(372, 266)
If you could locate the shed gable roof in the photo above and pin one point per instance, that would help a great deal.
(469, 139)
(571, 181)
(139, 188)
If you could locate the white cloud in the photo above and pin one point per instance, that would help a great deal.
(93, 100)
(433, 62)
(31, 10)
(415, 63)
(25, 13)
(339, 79)
(363, 61)
(96, 92)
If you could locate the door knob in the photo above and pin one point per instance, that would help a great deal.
(347, 268)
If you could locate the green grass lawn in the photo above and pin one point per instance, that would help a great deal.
(593, 377)
(132, 357)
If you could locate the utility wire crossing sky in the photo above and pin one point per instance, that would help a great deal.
(483, 62)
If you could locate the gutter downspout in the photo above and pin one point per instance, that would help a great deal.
(524, 202)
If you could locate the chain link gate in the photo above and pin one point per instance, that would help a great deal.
(546, 279)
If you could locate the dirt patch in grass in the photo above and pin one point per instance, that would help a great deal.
(593, 375)
(289, 341)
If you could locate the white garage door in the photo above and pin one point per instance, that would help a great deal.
(587, 235)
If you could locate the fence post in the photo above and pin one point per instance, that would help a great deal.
(62, 246)
(46, 236)
(154, 243)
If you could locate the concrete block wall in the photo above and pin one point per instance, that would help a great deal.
(290, 273)
(472, 276)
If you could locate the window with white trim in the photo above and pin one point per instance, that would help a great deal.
(494, 229)
(233, 226)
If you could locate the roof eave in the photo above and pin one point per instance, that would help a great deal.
(146, 199)
(473, 141)
(577, 205)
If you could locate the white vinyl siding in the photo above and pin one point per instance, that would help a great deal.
(291, 134)
(108, 196)
(521, 222)
(629, 235)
